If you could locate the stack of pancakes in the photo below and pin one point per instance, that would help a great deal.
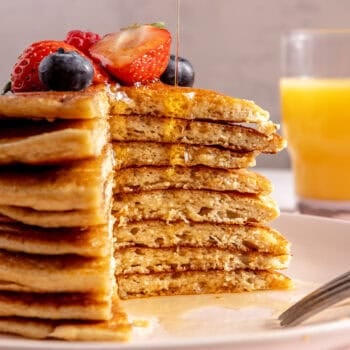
(190, 218)
(185, 216)
(56, 239)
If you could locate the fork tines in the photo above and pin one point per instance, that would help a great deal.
(329, 294)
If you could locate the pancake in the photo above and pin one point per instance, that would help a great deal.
(93, 241)
(117, 328)
(197, 206)
(78, 185)
(235, 137)
(56, 305)
(159, 234)
(87, 104)
(175, 259)
(194, 178)
(187, 103)
(55, 273)
(68, 218)
(134, 154)
(200, 282)
(72, 218)
(45, 142)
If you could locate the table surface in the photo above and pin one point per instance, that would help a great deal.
(283, 193)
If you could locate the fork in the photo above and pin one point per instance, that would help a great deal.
(327, 295)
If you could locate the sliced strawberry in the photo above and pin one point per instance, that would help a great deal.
(135, 54)
(82, 40)
(25, 76)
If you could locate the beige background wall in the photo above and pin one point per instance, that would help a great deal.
(233, 44)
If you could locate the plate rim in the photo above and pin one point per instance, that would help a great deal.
(263, 338)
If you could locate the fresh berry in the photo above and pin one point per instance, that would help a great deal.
(137, 54)
(185, 72)
(82, 40)
(25, 75)
(101, 76)
(64, 71)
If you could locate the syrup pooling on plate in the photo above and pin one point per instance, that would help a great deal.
(186, 316)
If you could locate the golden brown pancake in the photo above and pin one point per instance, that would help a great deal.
(200, 282)
(117, 328)
(55, 273)
(186, 103)
(159, 234)
(87, 104)
(72, 218)
(45, 142)
(149, 178)
(93, 241)
(197, 206)
(166, 130)
(68, 218)
(56, 305)
(175, 259)
(78, 185)
(134, 154)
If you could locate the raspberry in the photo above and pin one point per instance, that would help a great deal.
(82, 40)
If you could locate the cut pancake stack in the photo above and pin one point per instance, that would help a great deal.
(190, 218)
(56, 242)
(185, 216)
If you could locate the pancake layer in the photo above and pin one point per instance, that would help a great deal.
(149, 178)
(197, 206)
(200, 282)
(166, 130)
(186, 103)
(88, 104)
(159, 234)
(78, 185)
(132, 154)
(150, 260)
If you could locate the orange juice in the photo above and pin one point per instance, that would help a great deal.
(316, 123)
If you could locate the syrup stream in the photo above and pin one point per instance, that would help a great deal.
(177, 42)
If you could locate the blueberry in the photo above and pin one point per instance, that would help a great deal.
(185, 75)
(64, 71)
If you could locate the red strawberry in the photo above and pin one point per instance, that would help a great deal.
(82, 40)
(100, 76)
(25, 75)
(135, 54)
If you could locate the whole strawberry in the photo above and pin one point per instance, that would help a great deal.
(82, 40)
(25, 74)
(138, 54)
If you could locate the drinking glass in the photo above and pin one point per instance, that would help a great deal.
(315, 101)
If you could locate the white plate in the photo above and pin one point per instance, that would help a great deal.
(243, 321)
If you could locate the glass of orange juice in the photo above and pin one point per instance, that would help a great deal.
(315, 101)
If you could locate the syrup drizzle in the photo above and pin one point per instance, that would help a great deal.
(177, 42)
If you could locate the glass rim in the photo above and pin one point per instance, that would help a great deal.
(304, 33)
